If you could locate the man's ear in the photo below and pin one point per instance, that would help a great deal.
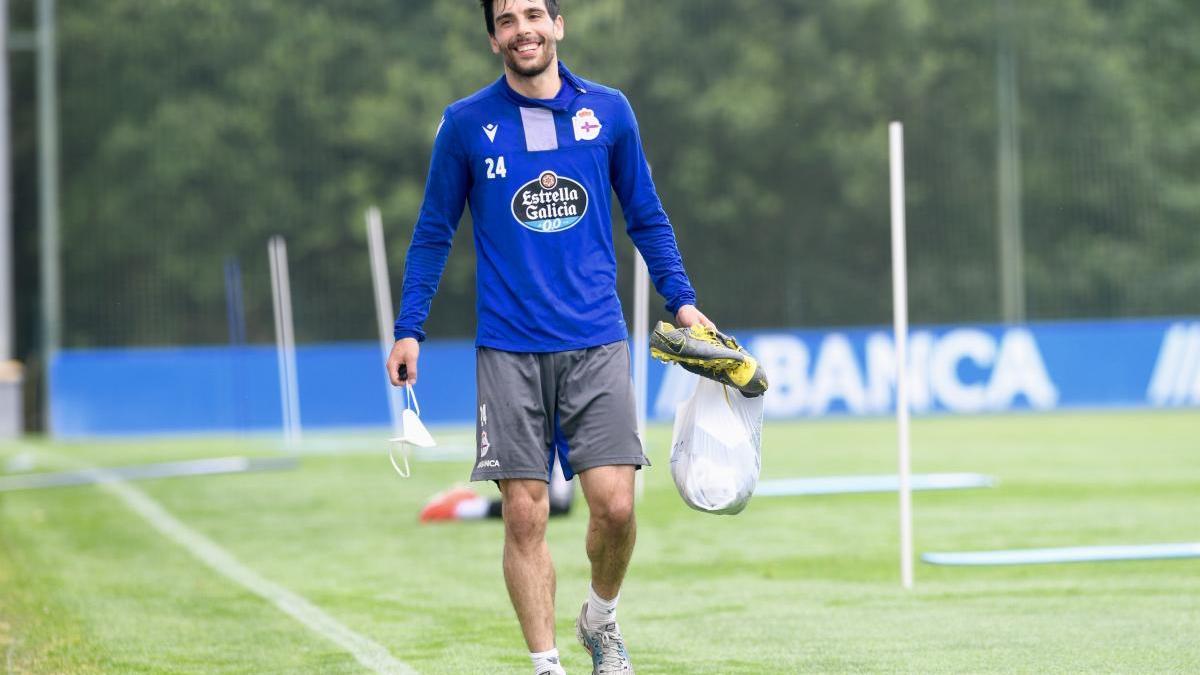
(559, 27)
(495, 45)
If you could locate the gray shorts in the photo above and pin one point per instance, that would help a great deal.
(577, 403)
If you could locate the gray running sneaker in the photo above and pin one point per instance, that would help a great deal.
(606, 647)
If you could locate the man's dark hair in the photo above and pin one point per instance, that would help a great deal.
(489, 12)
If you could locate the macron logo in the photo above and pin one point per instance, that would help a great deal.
(1176, 379)
(490, 130)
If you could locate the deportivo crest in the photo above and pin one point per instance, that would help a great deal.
(587, 125)
(550, 203)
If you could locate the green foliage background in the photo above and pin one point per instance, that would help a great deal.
(195, 129)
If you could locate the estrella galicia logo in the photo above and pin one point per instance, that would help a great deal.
(551, 203)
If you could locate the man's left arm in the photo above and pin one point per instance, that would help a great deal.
(647, 222)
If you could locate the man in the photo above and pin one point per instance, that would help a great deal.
(537, 155)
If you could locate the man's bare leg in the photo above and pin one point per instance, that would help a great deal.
(611, 534)
(612, 529)
(528, 569)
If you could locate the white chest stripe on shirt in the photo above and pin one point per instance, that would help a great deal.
(540, 134)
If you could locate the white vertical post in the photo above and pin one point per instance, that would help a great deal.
(641, 350)
(900, 319)
(6, 259)
(48, 172)
(285, 340)
(1008, 169)
(384, 310)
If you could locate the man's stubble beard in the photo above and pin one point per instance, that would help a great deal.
(533, 71)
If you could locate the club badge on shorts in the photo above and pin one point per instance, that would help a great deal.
(587, 125)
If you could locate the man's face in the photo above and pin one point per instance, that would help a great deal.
(526, 37)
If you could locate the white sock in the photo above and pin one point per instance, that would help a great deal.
(546, 661)
(600, 612)
(471, 509)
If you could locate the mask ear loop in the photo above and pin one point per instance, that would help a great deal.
(406, 472)
(410, 401)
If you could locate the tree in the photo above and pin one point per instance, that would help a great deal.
(194, 130)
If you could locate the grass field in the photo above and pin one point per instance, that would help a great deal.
(802, 584)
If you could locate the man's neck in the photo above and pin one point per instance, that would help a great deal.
(544, 85)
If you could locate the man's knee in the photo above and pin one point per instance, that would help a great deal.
(525, 513)
(615, 513)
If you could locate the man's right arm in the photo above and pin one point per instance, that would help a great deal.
(446, 191)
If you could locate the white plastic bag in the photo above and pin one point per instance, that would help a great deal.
(716, 448)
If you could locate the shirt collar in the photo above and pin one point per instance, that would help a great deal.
(571, 87)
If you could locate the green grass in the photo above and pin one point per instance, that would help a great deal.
(790, 585)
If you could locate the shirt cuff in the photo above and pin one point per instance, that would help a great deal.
(401, 333)
(687, 298)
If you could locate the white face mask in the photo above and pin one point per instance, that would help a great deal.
(413, 432)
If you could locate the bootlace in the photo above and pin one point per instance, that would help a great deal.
(613, 657)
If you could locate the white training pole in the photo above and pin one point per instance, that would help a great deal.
(281, 361)
(6, 212)
(384, 310)
(285, 340)
(641, 350)
(289, 337)
(900, 318)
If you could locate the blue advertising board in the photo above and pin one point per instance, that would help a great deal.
(813, 373)
(223, 389)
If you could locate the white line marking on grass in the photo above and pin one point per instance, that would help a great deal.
(829, 485)
(197, 467)
(365, 651)
(1070, 554)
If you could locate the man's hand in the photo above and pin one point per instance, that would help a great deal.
(688, 316)
(403, 359)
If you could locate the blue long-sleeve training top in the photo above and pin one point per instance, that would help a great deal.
(538, 175)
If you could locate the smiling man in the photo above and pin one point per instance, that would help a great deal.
(537, 156)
